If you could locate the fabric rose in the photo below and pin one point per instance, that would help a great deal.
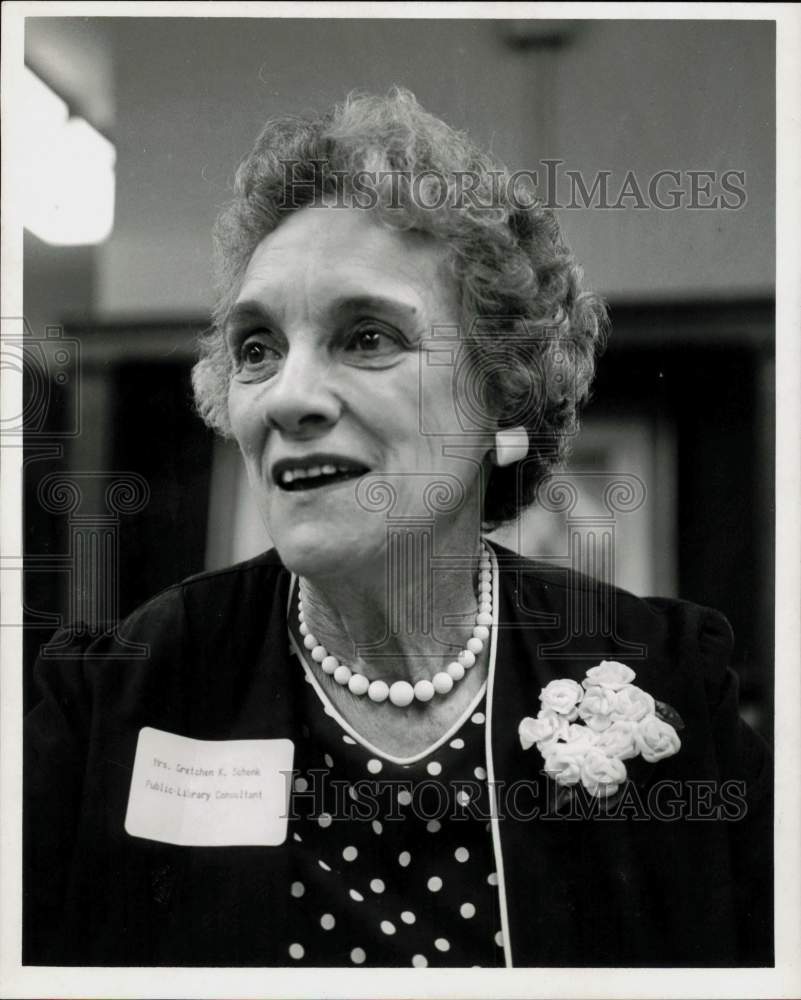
(618, 740)
(563, 766)
(602, 775)
(597, 706)
(578, 740)
(558, 725)
(528, 732)
(546, 728)
(561, 697)
(609, 674)
(633, 704)
(656, 739)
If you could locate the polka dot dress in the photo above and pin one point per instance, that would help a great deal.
(392, 862)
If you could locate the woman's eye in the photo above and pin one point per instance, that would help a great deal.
(257, 356)
(373, 342)
(253, 354)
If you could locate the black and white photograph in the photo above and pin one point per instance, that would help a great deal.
(399, 543)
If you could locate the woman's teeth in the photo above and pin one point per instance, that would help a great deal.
(290, 476)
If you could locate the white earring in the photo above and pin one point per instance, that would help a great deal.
(511, 445)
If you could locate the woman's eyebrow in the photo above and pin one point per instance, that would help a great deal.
(247, 311)
(368, 303)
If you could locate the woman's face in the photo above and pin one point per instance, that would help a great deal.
(330, 385)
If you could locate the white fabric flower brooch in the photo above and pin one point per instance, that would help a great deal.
(586, 731)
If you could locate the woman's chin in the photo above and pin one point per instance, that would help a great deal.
(326, 550)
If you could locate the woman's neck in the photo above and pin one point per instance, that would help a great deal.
(401, 619)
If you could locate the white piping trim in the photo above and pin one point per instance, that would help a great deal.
(332, 711)
(494, 821)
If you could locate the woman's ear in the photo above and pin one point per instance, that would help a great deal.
(511, 445)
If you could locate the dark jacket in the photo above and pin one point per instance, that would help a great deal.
(678, 873)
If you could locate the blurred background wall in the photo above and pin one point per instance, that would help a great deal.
(684, 398)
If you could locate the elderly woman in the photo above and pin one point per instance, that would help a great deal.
(379, 744)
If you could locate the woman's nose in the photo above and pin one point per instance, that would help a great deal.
(301, 400)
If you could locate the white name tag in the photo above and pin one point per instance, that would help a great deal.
(209, 793)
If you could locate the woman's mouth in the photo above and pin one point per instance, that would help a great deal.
(293, 475)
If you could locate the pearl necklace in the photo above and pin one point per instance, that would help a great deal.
(402, 693)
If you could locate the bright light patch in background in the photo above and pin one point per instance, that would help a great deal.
(69, 176)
